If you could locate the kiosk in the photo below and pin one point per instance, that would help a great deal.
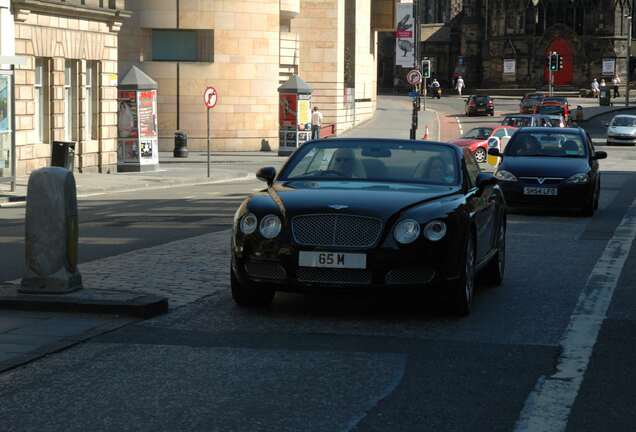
(294, 115)
(137, 136)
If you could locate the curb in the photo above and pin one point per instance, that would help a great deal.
(105, 191)
(611, 111)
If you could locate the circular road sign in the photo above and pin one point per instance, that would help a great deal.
(210, 97)
(414, 77)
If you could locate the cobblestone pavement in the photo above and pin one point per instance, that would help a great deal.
(183, 270)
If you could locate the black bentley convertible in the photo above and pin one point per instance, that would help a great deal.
(368, 214)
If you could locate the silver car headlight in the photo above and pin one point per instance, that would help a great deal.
(504, 175)
(435, 230)
(270, 226)
(249, 223)
(579, 178)
(406, 231)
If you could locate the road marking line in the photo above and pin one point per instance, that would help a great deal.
(548, 406)
(459, 124)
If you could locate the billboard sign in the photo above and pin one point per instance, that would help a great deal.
(404, 35)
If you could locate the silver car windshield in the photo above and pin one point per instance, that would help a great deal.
(624, 122)
(388, 161)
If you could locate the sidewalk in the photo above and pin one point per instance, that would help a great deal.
(190, 171)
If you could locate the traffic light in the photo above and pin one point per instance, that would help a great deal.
(426, 68)
(561, 62)
(554, 62)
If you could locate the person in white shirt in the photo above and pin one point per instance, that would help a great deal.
(459, 85)
(616, 82)
(595, 88)
(316, 122)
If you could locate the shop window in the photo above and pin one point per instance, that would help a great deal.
(183, 45)
(42, 100)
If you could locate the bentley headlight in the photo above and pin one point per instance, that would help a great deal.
(435, 230)
(406, 231)
(249, 223)
(504, 175)
(579, 178)
(270, 226)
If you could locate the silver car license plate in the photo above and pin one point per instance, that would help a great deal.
(332, 260)
(540, 191)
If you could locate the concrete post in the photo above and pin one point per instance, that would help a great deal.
(51, 236)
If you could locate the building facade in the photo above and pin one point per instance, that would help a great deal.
(66, 88)
(490, 42)
(246, 49)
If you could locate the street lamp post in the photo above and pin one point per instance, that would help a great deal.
(629, 59)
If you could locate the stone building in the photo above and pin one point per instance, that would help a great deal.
(246, 49)
(66, 89)
(491, 42)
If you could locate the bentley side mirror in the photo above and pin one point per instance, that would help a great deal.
(600, 155)
(266, 174)
(494, 152)
(485, 179)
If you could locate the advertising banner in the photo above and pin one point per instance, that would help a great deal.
(304, 110)
(510, 66)
(609, 65)
(147, 101)
(404, 35)
(127, 121)
(288, 109)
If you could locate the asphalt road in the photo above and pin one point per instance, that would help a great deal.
(393, 362)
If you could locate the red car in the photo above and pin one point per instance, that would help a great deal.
(554, 106)
(477, 139)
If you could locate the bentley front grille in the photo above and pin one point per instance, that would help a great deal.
(332, 230)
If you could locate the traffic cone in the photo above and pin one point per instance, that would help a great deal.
(425, 137)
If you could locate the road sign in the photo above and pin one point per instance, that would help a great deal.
(414, 77)
(210, 97)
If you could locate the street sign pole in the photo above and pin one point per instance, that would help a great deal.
(424, 93)
(209, 142)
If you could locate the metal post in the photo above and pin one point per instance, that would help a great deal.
(208, 142)
(629, 60)
(14, 157)
(424, 93)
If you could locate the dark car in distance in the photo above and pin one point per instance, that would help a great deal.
(368, 215)
(550, 169)
(480, 104)
(529, 103)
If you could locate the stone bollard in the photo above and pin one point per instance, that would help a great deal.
(51, 236)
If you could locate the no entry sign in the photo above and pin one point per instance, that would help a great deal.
(210, 97)
(414, 77)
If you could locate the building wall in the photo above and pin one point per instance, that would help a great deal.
(321, 30)
(245, 70)
(58, 37)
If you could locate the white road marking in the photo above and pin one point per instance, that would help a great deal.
(548, 406)
(459, 124)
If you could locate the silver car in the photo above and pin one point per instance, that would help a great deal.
(622, 130)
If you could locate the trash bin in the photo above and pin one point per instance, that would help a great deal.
(180, 144)
(63, 154)
(604, 96)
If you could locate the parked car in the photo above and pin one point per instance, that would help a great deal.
(526, 120)
(529, 102)
(622, 130)
(477, 139)
(480, 104)
(550, 168)
(366, 215)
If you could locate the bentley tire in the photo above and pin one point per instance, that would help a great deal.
(247, 295)
(494, 271)
(463, 288)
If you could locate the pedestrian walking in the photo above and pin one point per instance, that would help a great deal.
(436, 89)
(459, 85)
(316, 122)
(616, 82)
(595, 88)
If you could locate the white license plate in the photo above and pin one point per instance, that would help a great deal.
(332, 260)
(540, 191)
